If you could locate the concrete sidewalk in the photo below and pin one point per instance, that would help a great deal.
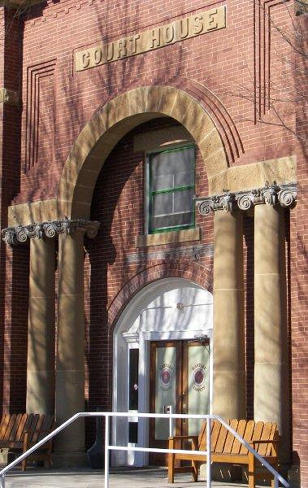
(135, 478)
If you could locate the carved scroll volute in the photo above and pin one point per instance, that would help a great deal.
(274, 194)
(245, 201)
(51, 229)
(287, 197)
(205, 207)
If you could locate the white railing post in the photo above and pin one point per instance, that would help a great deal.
(208, 449)
(277, 477)
(107, 451)
(170, 422)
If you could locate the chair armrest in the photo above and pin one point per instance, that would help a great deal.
(193, 439)
(273, 445)
(183, 437)
(264, 441)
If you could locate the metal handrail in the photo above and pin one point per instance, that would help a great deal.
(169, 416)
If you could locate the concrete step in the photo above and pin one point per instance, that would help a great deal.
(121, 478)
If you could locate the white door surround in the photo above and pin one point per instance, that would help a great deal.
(168, 309)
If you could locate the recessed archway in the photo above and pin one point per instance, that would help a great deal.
(169, 309)
(113, 121)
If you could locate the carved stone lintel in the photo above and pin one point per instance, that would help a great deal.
(50, 229)
(284, 195)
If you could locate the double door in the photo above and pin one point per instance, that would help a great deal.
(180, 379)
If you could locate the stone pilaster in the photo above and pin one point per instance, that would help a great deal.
(228, 342)
(271, 379)
(70, 347)
(41, 322)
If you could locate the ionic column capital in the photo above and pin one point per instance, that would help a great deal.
(50, 229)
(283, 195)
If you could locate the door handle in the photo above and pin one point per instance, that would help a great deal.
(184, 410)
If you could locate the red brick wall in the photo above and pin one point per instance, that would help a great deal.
(15, 334)
(299, 234)
(10, 118)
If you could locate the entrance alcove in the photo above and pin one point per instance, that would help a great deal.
(89, 153)
(172, 312)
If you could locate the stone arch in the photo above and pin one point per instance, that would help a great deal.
(117, 117)
(178, 268)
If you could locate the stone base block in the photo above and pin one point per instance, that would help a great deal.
(4, 453)
(69, 459)
(294, 477)
(6, 456)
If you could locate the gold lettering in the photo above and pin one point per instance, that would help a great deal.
(122, 53)
(198, 24)
(85, 59)
(184, 29)
(168, 33)
(110, 51)
(133, 41)
(213, 24)
(155, 38)
(98, 55)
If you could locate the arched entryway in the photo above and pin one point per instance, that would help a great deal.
(75, 194)
(161, 356)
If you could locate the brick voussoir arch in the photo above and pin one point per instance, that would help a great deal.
(117, 117)
(183, 268)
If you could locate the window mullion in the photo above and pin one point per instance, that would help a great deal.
(159, 176)
(173, 190)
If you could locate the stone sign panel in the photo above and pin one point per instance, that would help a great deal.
(155, 38)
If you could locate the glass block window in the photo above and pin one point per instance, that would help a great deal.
(171, 189)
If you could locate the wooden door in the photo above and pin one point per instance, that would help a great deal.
(179, 377)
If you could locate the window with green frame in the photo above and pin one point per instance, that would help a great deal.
(171, 188)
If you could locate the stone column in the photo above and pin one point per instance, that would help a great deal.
(70, 346)
(228, 343)
(271, 382)
(41, 322)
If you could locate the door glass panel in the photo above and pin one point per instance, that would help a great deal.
(165, 387)
(133, 378)
(198, 384)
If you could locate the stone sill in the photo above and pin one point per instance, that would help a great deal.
(168, 237)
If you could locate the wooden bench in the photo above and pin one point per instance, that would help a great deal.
(21, 431)
(225, 448)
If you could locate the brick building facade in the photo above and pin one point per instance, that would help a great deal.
(105, 251)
